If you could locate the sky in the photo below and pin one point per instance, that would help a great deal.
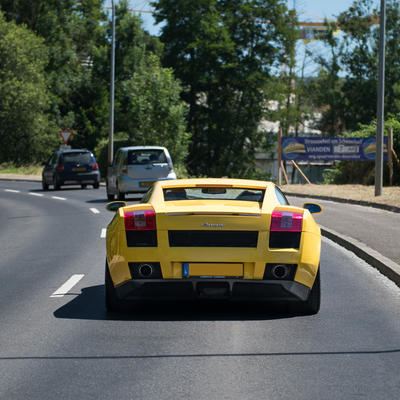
(321, 8)
(308, 11)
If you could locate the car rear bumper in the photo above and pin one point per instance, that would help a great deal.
(79, 178)
(130, 185)
(229, 289)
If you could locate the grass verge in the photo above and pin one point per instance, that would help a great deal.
(34, 169)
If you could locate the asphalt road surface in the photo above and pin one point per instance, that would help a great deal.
(57, 342)
(378, 229)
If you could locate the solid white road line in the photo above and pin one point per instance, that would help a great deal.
(35, 194)
(11, 190)
(58, 198)
(94, 210)
(103, 233)
(68, 285)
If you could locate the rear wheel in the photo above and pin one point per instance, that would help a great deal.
(110, 197)
(45, 186)
(312, 304)
(83, 186)
(112, 302)
(96, 185)
(56, 183)
(120, 195)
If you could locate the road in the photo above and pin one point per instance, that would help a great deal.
(67, 347)
(378, 229)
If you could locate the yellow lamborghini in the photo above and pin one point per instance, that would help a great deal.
(213, 239)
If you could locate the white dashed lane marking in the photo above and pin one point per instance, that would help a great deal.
(11, 190)
(58, 198)
(68, 285)
(95, 211)
(36, 194)
(103, 233)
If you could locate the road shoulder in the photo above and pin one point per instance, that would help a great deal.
(383, 264)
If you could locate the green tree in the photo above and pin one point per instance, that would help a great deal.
(326, 90)
(148, 107)
(76, 39)
(345, 89)
(225, 53)
(24, 99)
(74, 34)
(364, 172)
(154, 113)
(359, 61)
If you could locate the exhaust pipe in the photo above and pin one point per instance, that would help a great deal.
(145, 270)
(280, 271)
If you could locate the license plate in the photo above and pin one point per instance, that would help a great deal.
(146, 184)
(212, 270)
(79, 169)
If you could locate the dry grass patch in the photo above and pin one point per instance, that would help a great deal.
(390, 195)
(31, 170)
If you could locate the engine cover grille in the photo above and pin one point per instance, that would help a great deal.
(213, 238)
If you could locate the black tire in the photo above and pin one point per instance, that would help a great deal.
(110, 197)
(56, 183)
(83, 186)
(112, 302)
(312, 305)
(96, 185)
(45, 186)
(120, 195)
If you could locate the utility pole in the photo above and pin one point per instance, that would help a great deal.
(381, 104)
(112, 76)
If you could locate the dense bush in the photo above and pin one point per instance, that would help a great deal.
(55, 79)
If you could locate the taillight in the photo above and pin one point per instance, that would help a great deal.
(144, 220)
(170, 168)
(95, 166)
(125, 168)
(285, 221)
(60, 167)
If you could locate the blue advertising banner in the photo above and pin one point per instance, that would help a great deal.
(331, 149)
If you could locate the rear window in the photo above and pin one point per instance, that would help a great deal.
(214, 193)
(83, 157)
(141, 157)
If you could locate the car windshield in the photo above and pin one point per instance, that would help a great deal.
(140, 157)
(83, 157)
(213, 193)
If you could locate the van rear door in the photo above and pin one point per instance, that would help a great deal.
(147, 164)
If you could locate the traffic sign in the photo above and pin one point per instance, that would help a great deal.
(65, 135)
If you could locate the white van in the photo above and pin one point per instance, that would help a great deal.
(136, 168)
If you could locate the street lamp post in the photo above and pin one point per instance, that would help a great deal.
(381, 104)
(112, 76)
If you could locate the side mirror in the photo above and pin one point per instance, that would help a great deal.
(114, 206)
(312, 207)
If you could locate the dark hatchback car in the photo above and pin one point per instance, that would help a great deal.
(71, 167)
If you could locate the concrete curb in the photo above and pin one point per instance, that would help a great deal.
(383, 264)
(349, 201)
(23, 178)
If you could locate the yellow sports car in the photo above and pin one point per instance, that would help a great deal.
(213, 239)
